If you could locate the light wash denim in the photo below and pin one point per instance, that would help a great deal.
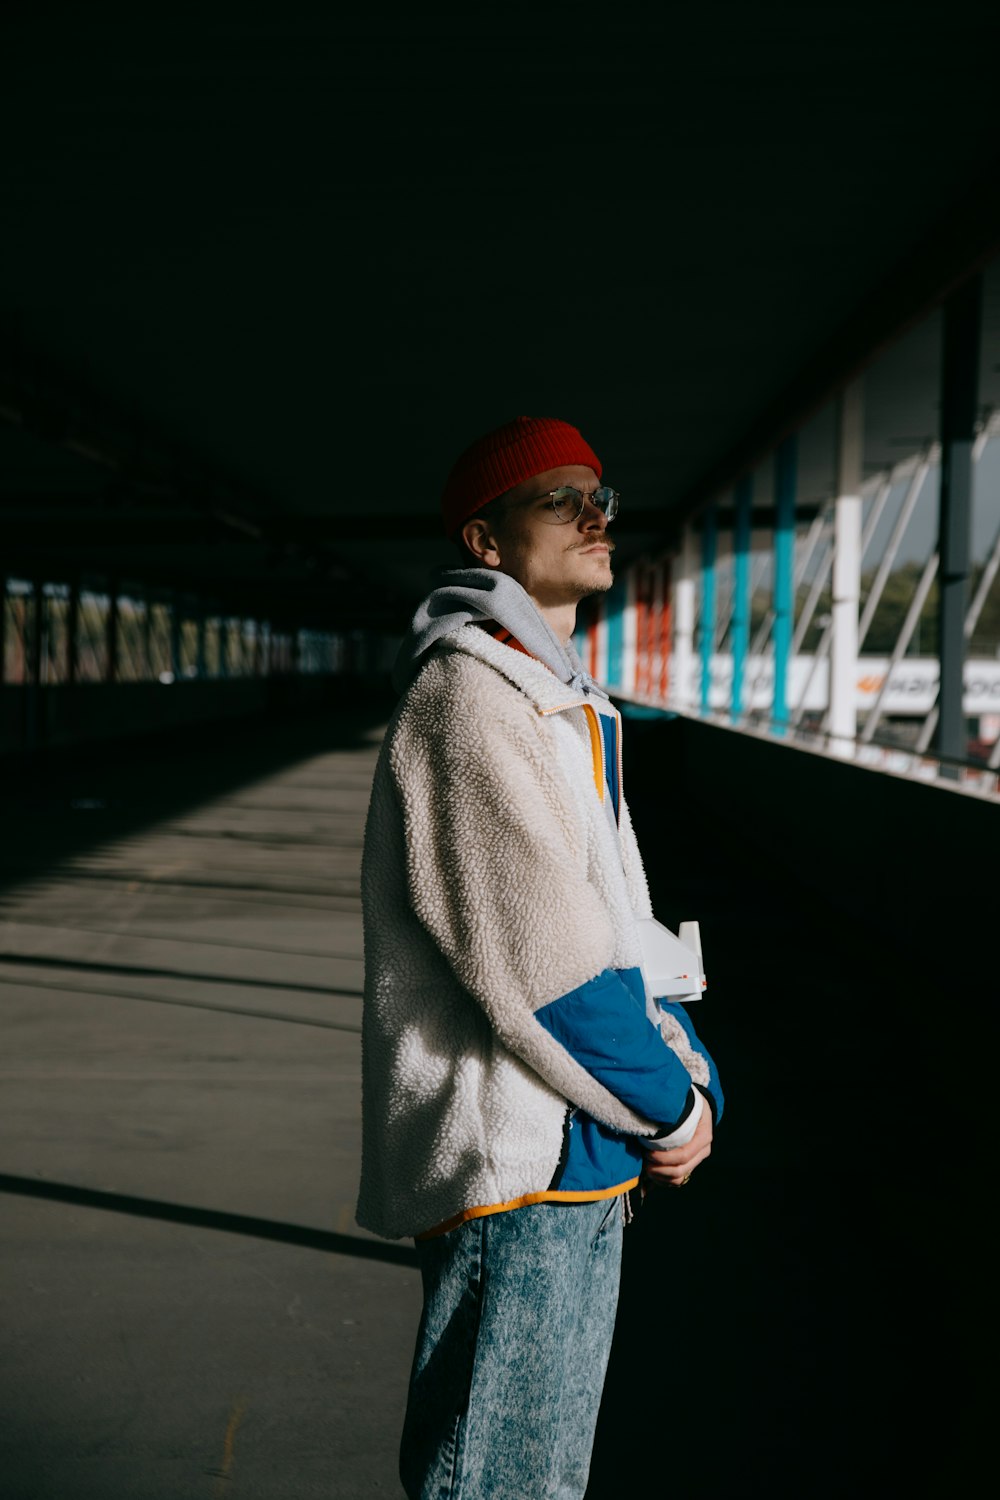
(512, 1351)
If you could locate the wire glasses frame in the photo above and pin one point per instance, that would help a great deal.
(566, 503)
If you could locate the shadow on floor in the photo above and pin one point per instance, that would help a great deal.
(327, 1240)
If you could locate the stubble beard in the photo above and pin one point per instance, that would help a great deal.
(601, 586)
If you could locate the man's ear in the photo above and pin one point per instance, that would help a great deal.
(480, 541)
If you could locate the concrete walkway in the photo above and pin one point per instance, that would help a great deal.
(188, 1306)
(189, 1309)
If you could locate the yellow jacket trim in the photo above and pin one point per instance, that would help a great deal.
(596, 748)
(481, 1211)
(596, 741)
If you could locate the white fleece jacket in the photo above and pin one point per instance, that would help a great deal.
(492, 884)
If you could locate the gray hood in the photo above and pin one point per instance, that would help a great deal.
(466, 595)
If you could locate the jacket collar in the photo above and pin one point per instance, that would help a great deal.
(535, 680)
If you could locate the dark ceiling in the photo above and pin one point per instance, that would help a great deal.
(265, 273)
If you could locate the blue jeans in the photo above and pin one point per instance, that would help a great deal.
(512, 1351)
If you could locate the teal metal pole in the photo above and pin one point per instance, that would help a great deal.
(614, 603)
(709, 548)
(784, 592)
(739, 633)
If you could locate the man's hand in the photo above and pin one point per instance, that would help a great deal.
(673, 1168)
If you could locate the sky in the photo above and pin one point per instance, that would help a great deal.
(920, 537)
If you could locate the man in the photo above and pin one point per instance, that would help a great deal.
(515, 1089)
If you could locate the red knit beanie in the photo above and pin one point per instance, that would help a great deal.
(509, 455)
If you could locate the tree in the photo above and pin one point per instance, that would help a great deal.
(883, 633)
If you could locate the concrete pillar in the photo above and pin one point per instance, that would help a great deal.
(3, 627)
(224, 632)
(72, 631)
(201, 660)
(709, 552)
(683, 653)
(663, 691)
(846, 571)
(147, 636)
(176, 621)
(959, 410)
(39, 636)
(111, 637)
(630, 647)
(33, 674)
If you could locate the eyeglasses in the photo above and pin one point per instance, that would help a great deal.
(566, 503)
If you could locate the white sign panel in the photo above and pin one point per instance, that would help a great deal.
(914, 683)
(912, 686)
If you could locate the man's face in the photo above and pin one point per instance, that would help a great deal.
(556, 563)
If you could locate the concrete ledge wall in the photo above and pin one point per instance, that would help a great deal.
(875, 846)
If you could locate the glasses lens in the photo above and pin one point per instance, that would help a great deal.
(606, 499)
(566, 503)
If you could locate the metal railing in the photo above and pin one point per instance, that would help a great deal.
(964, 775)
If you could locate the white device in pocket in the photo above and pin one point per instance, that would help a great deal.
(672, 965)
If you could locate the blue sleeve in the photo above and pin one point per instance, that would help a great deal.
(714, 1089)
(603, 1025)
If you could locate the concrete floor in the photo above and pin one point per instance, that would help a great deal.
(188, 1307)
(180, 1007)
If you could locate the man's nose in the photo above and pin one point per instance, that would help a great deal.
(592, 516)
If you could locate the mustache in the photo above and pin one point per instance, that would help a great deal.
(604, 539)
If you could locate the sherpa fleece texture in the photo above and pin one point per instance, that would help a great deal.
(493, 884)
